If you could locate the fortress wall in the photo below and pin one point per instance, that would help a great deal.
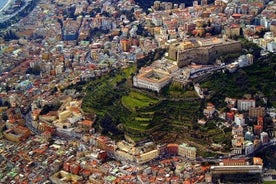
(206, 55)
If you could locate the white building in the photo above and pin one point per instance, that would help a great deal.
(245, 104)
(264, 22)
(268, 35)
(248, 147)
(151, 79)
(148, 156)
(157, 20)
(239, 119)
(271, 47)
(237, 130)
(264, 137)
(59, 69)
(245, 60)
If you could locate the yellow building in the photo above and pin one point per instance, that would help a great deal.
(64, 115)
(256, 111)
(125, 44)
(63, 177)
(232, 31)
(202, 51)
(17, 133)
(48, 117)
(122, 155)
(257, 161)
(148, 156)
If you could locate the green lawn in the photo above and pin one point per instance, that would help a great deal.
(269, 182)
(137, 100)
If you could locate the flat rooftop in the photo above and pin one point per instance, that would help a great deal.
(236, 169)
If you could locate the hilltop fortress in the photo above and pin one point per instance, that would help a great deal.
(202, 51)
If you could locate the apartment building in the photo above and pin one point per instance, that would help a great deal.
(245, 104)
(187, 151)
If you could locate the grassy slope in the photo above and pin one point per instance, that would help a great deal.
(137, 100)
(114, 103)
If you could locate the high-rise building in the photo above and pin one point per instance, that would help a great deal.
(245, 104)
(156, 5)
(168, 6)
(195, 3)
(204, 2)
(125, 44)
(182, 6)
(239, 119)
(255, 112)
(248, 147)
(13, 100)
(218, 2)
(264, 137)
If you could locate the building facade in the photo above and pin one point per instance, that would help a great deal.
(264, 137)
(244, 105)
(204, 51)
(151, 79)
(256, 112)
(187, 151)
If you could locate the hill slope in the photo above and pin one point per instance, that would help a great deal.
(258, 79)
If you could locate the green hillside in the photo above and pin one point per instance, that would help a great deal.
(124, 110)
(172, 115)
(258, 79)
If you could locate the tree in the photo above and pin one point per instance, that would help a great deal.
(251, 47)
